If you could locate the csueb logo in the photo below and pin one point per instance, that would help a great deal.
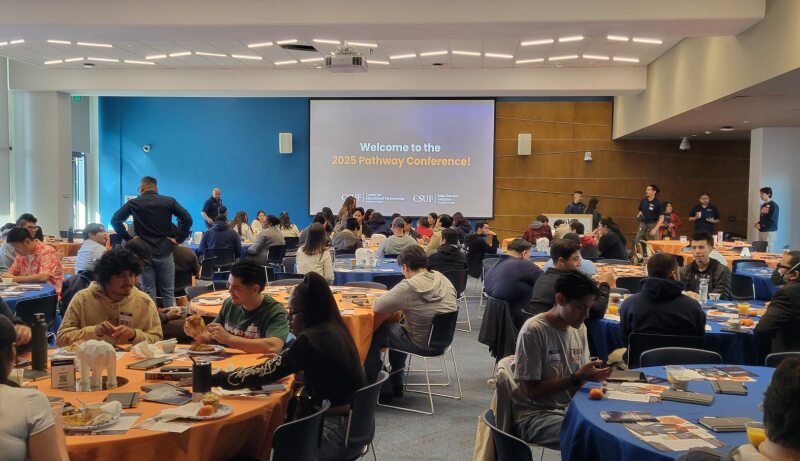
(422, 199)
(358, 197)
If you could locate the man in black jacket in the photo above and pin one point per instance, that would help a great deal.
(152, 216)
(477, 247)
(449, 256)
(778, 329)
(660, 308)
(705, 267)
(512, 279)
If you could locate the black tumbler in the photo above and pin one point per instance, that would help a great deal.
(201, 378)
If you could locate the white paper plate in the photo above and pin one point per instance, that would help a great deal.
(222, 411)
(91, 427)
(209, 301)
(217, 350)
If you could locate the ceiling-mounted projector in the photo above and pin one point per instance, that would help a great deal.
(345, 59)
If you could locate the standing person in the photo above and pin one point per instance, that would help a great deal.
(592, 210)
(240, 225)
(704, 215)
(93, 247)
(767, 224)
(651, 214)
(669, 228)
(346, 211)
(576, 206)
(286, 227)
(152, 217)
(35, 262)
(314, 256)
(461, 225)
(259, 223)
(211, 207)
(269, 236)
(478, 247)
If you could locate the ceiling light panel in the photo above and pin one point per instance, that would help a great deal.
(652, 41)
(260, 45)
(624, 59)
(544, 41)
(284, 63)
(433, 53)
(326, 41)
(73, 60)
(56, 61)
(466, 53)
(60, 42)
(529, 61)
(312, 60)
(498, 55)
(563, 58)
(382, 63)
(95, 45)
(286, 42)
(596, 57)
(573, 38)
(156, 56)
(16, 42)
(247, 56)
(102, 59)
(617, 38)
(133, 61)
(363, 44)
(403, 56)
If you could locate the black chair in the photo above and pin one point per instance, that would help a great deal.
(488, 264)
(773, 360)
(275, 255)
(286, 282)
(63, 234)
(443, 327)
(742, 287)
(47, 305)
(385, 256)
(361, 420)
(288, 264)
(541, 259)
(616, 262)
(506, 446)
(224, 257)
(288, 276)
(459, 281)
(632, 284)
(760, 246)
(291, 243)
(197, 290)
(620, 291)
(747, 263)
(678, 356)
(390, 280)
(373, 285)
(182, 280)
(207, 268)
(680, 259)
(299, 439)
(641, 342)
(115, 240)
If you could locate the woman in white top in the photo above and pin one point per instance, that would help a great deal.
(286, 227)
(239, 224)
(259, 223)
(28, 430)
(314, 255)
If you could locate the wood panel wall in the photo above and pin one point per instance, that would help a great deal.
(526, 186)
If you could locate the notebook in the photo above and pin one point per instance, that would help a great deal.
(622, 376)
(729, 387)
(727, 424)
(687, 397)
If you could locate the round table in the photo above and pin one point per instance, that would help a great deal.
(584, 435)
(342, 272)
(247, 431)
(762, 282)
(46, 290)
(360, 321)
(66, 248)
(196, 248)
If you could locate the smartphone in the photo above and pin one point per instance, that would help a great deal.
(175, 369)
(127, 399)
(149, 364)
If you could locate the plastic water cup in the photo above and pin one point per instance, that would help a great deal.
(676, 375)
(683, 239)
(714, 296)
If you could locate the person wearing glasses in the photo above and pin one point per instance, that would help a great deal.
(777, 330)
(26, 221)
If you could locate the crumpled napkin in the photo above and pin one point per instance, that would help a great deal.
(143, 350)
(110, 411)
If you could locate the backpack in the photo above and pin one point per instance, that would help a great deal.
(72, 286)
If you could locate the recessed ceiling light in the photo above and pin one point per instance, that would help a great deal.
(544, 41)
(653, 41)
(707, 132)
(60, 42)
(368, 45)
(384, 63)
(563, 58)
(726, 128)
(286, 42)
(156, 56)
(3, 43)
(574, 38)
(16, 42)
(247, 56)
(96, 45)
(73, 60)
(206, 53)
(330, 42)
(57, 61)
(179, 54)
(133, 61)
(621, 59)
(102, 59)
(433, 53)
(466, 53)
(498, 55)
(745, 121)
(283, 63)
(528, 61)
(312, 60)
(617, 38)
(403, 56)
(596, 57)
(694, 135)
(259, 45)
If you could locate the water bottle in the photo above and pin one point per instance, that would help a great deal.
(39, 343)
(703, 291)
(70, 235)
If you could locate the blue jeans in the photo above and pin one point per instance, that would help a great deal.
(158, 279)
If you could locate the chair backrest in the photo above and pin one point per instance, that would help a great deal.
(288, 264)
(46, 305)
(614, 261)
(747, 263)
(115, 240)
(197, 290)
(632, 284)
(489, 263)
(374, 285)
(220, 285)
(507, 447)
(288, 276)
(183, 279)
(299, 439)
(773, 360)
(361, 422)
(759, 246)
(458, 279)
(224, 256)
(291, 243)
(390, 280)
(443, 328)
(387, 256)
(641, 342)
(678, 356)
(680, 259)
(276, 253)
(742, 287)
(620, 291)
(285, 282)
(63, 234)
(207, 268)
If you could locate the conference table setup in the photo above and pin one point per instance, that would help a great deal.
(633, 422)
(346, 270)
(16, 292)
(732, 251)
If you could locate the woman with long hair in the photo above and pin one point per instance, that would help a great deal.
(239, 224)
(432, 219)
(329, 216)
(286, 227)
(346, 211)
(592, 210)
(326, 354)
(259, 223)
(611, 241)
(28, 428)
(314, 256)
(423, 228)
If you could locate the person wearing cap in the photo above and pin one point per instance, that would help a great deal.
(398, 242)
(539, 228)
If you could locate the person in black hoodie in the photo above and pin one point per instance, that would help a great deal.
(660, 308)
(449, 256)
(461, 225)
(221, 237)
(777, 330)
(377, 225)
(477, 247)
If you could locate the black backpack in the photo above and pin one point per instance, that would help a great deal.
(72, 286)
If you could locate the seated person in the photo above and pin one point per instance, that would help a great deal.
(318, 218)
(539, 228)
(610, 240)
(346, 239)
(716, 274)
(185, 260)
(660, 308)
(93, 247)
(249, 320)
(478, 247)
(449, 257)
(566, 256)
(443, 221)
(324, 352)
(22, 329)
(512, 279)
(112, 309)
(589, 247)
(270, 235)
(7, 252)
(314, 255)
(778, 329)
(560, 227)
(587, 267)
(552, 361)
(35, 262)
(410, 230)
(420, 296)
(398, 242)
(220, 236)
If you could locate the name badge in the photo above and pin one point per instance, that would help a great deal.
(125, 318)
(554, 356)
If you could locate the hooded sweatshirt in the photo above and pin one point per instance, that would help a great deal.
(91, 307)
(420, 298)
(477, 248)
(221, 237)
(660, 308)
(447, 258)
(537, 230)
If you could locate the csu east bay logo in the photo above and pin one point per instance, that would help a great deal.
(358, 197)
(423, 199)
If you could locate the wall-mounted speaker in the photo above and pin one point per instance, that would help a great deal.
(285, 143)
(524, 141)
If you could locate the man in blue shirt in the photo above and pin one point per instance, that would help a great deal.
(211, 207)
(767, 224)
(512, 279)
(576, 206)
(651, 214)
(704, 215)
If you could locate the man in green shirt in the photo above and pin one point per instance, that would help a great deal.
(249, 320)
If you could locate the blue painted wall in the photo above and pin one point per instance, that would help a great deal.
(202, 143)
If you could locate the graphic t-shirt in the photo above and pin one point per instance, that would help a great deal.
(269, 320)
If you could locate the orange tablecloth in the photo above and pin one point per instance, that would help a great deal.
(361, 323)
(619, 270)
(248, 430)
(66, 248)
(731, 251)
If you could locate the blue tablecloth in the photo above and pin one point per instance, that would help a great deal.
(761, 281)
(196, 247)
(585, 436)
(737, 348)
(46, 290)
(343, 274)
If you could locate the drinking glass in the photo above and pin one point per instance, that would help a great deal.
(755, 432)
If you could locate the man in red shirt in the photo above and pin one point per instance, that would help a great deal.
(35, 262)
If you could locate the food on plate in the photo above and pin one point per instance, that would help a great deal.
(752, 313)
(747, 322)
(87, 417)
(212, 399)
(206, 410)
(596, 394)
(197, 347)
(196, 324)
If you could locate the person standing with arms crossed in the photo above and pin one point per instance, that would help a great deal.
(651, 214)
(767, 224)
